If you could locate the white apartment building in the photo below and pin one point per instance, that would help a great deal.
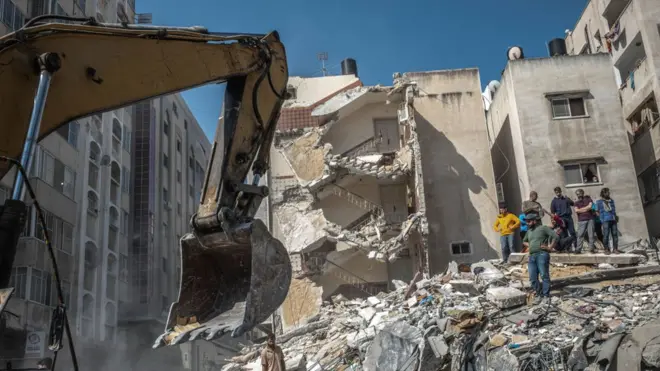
(84, 180)
(629, 30)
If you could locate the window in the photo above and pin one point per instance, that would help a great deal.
(11, 15)
(582, 173)
(126, 142)
(185, 124)
(124, 222)
(40, 285)
(88, 316)
(165, 265)
(70, 133)
(178, 176)
(56, 174)
(649, 182)
(18, 280)
(178, 208)
(81, 4)
(191, 191)
(175, 109)
(166, 161)
(568, 107)
(461, 248)
(123, 268)
(90, 266)
(166, 128)
(166, 195)
(178, 145)
(125, 180)
(191, 161)
(59, 232)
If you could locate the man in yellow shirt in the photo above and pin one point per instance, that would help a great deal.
(506, 224)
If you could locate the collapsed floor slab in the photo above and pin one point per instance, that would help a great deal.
(582, 259)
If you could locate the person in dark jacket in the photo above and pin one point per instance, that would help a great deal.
(609, 220)
(584, 210)
(562, 207)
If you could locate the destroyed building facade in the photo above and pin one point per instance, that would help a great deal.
(557, 122)
(350, 197)
(628, 31)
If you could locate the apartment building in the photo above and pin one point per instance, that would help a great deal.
(557, 122)
(629, 31)
(371, 184)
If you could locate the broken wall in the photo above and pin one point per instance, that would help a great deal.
(459, 185)
(358, 126)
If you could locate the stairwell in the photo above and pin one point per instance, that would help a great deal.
(349, 277)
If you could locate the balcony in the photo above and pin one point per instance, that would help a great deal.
(612, 9)
(32, 252)
(628, 31)
(640, 76)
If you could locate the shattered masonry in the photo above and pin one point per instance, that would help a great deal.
(318, 172)
(482, 317)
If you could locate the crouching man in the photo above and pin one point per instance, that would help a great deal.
(539, 240)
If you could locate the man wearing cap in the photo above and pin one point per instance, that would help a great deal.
(540, 240)
(505, 224)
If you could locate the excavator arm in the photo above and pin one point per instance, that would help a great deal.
(234, 273)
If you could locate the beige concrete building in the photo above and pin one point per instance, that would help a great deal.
(629, 30)
(364, 183)
(557, 122)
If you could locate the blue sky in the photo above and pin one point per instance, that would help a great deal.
(384, 36)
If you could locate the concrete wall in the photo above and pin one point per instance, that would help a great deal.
(456, 162)
(310, 90)
(546, 142)
(360, 125)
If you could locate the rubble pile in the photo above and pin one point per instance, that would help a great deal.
(475, 317)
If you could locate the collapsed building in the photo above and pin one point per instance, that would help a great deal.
(603, 315)
(375, 183)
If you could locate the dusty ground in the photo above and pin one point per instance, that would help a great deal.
(520, 271)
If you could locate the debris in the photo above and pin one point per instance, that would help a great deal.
(506, 297)
(473, 317)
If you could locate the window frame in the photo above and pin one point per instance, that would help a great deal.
(579, 164)
(567, 99)
(462, 242)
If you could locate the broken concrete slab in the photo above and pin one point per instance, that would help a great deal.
(598, 276)
(465, 286)
(506, 297)
(486, 272)
(584, 259)
(439, 346)
(303, 229)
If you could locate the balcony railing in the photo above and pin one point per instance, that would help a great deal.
(627, 24)
(639, 76)
(369, 146)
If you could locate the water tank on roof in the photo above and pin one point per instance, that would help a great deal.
(515, 52)
(349, 67)
(557, 47)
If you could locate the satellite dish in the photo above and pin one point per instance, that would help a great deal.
(514, 53)
(493, 86)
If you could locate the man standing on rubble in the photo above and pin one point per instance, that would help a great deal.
(506, 223)
(272, 358)
(540, 240)
(609, 219)
(584, 210)
(532, 205)
(561, 206)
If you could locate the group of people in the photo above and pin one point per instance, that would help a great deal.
(595, 219)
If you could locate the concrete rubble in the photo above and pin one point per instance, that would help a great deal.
(479, 317)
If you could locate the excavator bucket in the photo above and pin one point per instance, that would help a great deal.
(227, 287)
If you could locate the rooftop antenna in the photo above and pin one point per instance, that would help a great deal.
(323, 56)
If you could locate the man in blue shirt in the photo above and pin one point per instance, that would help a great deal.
(561, 206)
(609, 220)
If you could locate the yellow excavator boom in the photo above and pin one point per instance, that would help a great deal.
(234, 274)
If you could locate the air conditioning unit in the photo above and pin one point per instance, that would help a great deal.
(500, 192)
(403, 113)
